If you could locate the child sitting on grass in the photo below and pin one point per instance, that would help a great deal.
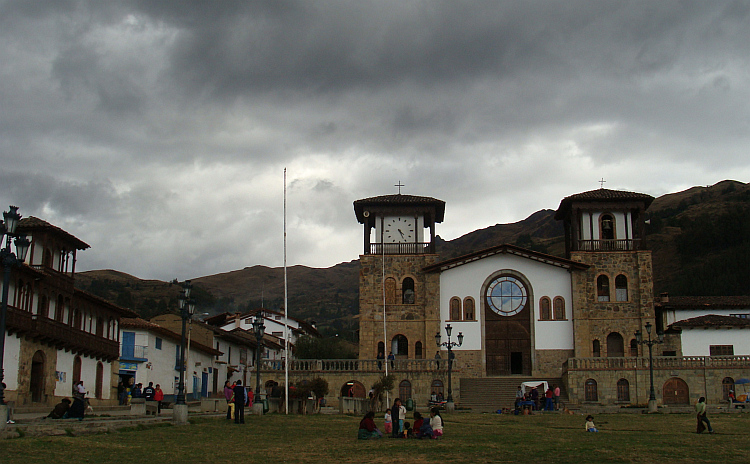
(590, 427)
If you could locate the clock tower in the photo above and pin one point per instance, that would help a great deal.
(398, 303)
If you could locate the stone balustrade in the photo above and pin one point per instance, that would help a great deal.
(356, 365)
(660, 362)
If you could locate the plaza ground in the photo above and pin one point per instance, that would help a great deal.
(470, 438)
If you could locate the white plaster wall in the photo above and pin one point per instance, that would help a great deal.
(696, 341)
(680, 315)
(88, 375)
(545, 280)
(10, 361)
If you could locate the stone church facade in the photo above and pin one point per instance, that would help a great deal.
(528, 315)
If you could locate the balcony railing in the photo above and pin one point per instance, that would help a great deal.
(134, 352)
(660, 362)
(401, 248)
(608, 245)
(60, 335)
(357, 365)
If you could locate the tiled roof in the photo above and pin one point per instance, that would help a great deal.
(704, 302)
(31, 223)
(398, 200)
(712, 320)
(505, 249)
(124, 312)
(602, 195)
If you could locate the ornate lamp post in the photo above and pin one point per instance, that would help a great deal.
(9, 260)
(187, 309)
(449, 345)
(650, 343)
(258, 330)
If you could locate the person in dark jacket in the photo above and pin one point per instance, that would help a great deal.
(60, 409)
(240, 398)
(395, 411)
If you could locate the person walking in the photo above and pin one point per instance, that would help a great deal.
(240, 398)
(700, 410)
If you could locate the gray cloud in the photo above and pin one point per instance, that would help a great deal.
(158, 132)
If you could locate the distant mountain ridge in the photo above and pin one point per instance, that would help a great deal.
(700, 239)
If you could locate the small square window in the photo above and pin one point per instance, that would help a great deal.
(158, 343)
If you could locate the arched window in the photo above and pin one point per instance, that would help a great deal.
(418, 350)
(623, 390)
(437, 387)
(390, 291)
(621, 288)
(727, 385)
(400, 346)
(596, 349)
(602, 288)
(404, 390)
(559, 308)
(455, 309)
(60, 309)
(381, 349)
(615, 348)
(469, 309)
(407, 291)
(43, 307)
(633, 347)
(544, 309)
(590, 391)
(607, 227)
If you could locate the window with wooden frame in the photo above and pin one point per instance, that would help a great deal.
(602, 288)
(455, 314)
(621, 288)
(469, 309)
(545, 309)
(559, 308)
(623, 390)
(721, 350)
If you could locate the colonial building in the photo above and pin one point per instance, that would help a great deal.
(56, 333)
(528, 315)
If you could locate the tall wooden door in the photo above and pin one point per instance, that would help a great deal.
(507, 327)
(675, 391)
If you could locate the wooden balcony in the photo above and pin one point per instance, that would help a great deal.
(401, 248)
(608, 245)
(660, 362)
(60, 335)
(356, 365)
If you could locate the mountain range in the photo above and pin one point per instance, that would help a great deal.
(700, 240)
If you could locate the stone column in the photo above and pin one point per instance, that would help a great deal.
(180, 414)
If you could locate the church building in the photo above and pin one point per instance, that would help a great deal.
(524, 315)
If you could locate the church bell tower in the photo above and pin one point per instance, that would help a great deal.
(399, 241)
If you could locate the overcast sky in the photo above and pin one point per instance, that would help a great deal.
(158, 131)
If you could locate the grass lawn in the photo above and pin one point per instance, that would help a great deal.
(469, 438)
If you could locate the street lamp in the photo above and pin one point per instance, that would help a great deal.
(258, 330)
(650, 343)
(449, 344)
(187, 309)
(9, 260)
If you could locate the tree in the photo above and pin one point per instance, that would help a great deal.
(384, 384)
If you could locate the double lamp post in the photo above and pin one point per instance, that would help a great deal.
(650, 343)
(187, 309)
(449, 345)
(9, 260)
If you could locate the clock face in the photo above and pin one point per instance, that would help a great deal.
(506, 296)
(399, 230)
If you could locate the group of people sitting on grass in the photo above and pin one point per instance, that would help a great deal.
(396, 425)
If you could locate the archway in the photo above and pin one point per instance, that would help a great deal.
(353, 388)
(36, 384)
(400, 347)
(615, 345)
(675, 391)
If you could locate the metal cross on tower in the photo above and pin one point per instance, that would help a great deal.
(601, 182)
(399, 185)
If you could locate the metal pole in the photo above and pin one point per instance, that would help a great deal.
(6, 258)
(181, 392)
(450, 369)
(652, 395)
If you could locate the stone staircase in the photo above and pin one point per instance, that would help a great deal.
(492, 393)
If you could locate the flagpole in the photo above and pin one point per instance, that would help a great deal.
(286, 316)
(385, 333)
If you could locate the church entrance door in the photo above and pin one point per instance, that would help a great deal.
(675, 391)
(507, 317)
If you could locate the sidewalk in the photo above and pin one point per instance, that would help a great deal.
(37, 424)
